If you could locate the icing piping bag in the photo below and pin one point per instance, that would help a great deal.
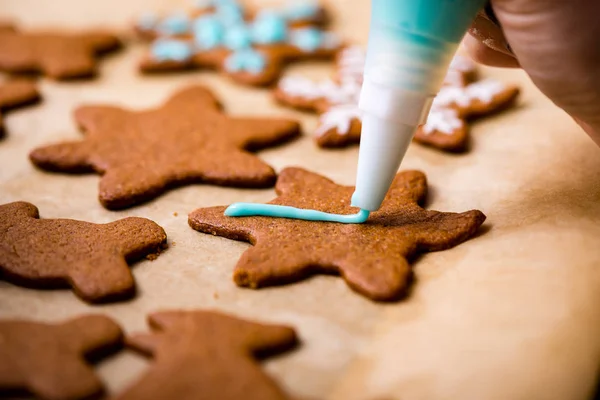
(411, 44)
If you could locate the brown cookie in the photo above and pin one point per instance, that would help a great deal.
(91, 258)
(59, 55)
(16, 93)
(49, 360)
(340, 121)
(188, 140)
(371, 257)
(207, 355)
(447, 124)
(250, 46)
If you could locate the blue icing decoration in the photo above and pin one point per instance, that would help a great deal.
(298, 10)
(269, 27)
(229, 12)
(246, 60)
(277, 211)
(307, 39)
(147, 21)
(238, 37)
(171, 50)
(208, 32)
(174, 24)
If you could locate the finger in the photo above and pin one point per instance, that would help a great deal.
(489, 33)
(488, 56)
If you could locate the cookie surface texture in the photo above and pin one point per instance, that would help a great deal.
(188, 140)
(91, 258)
(58, 55)
(371, 257)
(16, 93)
(48, 360)
(251, 46)
(207, 355)
(461, 99)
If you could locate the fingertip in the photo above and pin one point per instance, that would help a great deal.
(486, 55)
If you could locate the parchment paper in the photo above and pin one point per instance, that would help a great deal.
(511, 314)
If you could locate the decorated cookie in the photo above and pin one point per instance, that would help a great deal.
(49, 360)
(336, 101)
(251, 46)
(188, 140)
(207, 355)
(371, 257)
(58, 55)
(91, 258)
(16, 93)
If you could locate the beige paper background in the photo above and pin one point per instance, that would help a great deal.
(512, 314)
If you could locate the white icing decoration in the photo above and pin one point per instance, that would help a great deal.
(299, 86)
(351, 64)
(454, 78)
(344, 96)
(346, 93)
(443, 120)
(340, 118)
(462, 64)
(483, 91)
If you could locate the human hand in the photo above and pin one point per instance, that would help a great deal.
(556, 42)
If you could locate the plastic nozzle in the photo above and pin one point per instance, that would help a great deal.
(382, 148)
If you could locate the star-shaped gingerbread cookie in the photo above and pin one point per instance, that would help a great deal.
(188, 140)
(207, 355)
(370, 257)
(16, 93)
(58, 55)
(91, 258)
(48, 360)
(250, 46)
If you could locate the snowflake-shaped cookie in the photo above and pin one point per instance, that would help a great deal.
(336, 101)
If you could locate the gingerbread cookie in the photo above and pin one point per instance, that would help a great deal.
(188, 140)
(371, 257)
(91, 258)
(250, 46)
(207, 355)
(16, 93)
(336, 101)
(49, 360)
(59, 55)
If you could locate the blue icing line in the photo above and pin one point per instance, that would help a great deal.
(171, 50)
(238, 37)
(298, 10)
(246, 60)
(208, 32)
(277, 211)
(174, 24)
(269, 27)
(307, 39)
